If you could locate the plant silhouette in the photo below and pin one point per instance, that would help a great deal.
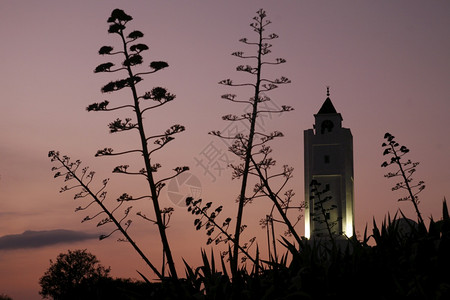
(405, 170)
(208, 222)
(322, 211)
(251, 147)
(70, 171)
(130, 52)
(156, 97)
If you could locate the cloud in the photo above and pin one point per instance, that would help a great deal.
(36, 239)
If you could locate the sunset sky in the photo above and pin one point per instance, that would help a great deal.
(387, 64)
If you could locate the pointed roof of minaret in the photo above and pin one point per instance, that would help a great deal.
(327, 106)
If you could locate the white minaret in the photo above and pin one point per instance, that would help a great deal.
(329, 160)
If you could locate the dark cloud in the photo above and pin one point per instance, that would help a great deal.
(36, 239)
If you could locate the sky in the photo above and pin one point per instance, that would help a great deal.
(386, 62)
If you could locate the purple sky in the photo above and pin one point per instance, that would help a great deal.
(387, 64)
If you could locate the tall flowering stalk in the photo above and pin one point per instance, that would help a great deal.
(251, 146)
(129, 54)
(405, 170)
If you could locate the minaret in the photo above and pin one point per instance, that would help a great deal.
(329, 161)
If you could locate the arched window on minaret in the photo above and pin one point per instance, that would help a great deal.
(327, 126)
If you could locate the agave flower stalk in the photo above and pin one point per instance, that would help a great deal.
(405, 171)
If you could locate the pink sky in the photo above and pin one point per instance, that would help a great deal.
(387, 65)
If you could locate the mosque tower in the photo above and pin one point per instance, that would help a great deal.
(329, 161)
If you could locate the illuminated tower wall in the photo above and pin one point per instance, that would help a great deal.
(329, 160)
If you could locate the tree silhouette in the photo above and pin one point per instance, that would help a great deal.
(71, 275)
(251, 146)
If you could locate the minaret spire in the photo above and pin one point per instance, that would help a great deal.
(328, 91)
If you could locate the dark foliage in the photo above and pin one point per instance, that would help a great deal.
(398, 266)
(71, 274)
